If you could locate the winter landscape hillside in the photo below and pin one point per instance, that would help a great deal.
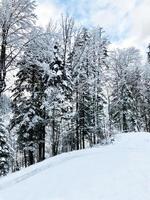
(119, 171)
(74, 100)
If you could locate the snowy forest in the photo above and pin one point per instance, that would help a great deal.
(62, 88)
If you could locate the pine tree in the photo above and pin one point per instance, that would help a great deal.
(4, 150)
(88, 61)
(145, 109)
(99, 64)
(29, 113)
(58, 94)
(134, 82)
(126, 94)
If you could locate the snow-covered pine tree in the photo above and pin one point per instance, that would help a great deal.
(134, 82)
(29, 118)
(99, 44)
(80, 67)
(89, 55)
(57, 100)
(59, 91)
(145, 108)
(4, 150)
(125, 93)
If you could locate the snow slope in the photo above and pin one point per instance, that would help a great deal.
(120, 171)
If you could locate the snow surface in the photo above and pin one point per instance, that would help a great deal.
(120, 171)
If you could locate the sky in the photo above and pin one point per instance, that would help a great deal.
(126, 22)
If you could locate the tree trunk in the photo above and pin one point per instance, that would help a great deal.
(77, 121)
(3, 60)
(31, 157)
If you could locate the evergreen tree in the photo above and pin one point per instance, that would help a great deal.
(29, 113)
(126, 94)
(90, 52)
(145, 109)
(4, 150)
(58, 94)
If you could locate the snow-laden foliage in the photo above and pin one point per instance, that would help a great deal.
(4, 150)
(16, 21)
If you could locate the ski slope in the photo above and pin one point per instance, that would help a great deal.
(119, 171)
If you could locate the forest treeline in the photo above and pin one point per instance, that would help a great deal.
(68, 91)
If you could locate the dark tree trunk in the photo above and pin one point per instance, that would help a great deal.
(77, 121)
(25, 158)
(124, 122)
(31, 157)
(54, 153)
(42, 144)
(31, 148)
(3, 60)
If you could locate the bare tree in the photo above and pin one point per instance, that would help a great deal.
(16, 21)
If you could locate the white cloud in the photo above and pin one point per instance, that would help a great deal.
(139, 29)
(141, 21)
(126, 21)
(131, 22)
(47, 10)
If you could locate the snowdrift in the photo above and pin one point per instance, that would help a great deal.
(119, 171)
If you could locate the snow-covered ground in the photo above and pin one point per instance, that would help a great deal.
(120, 171)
